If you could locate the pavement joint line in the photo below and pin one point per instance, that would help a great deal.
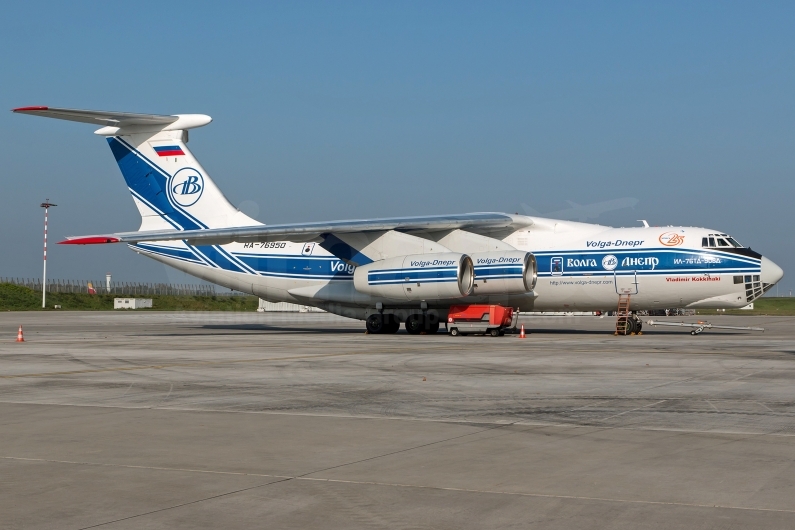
(554, 496)
(744, 376)
(689, 379)
(195, 363)
(628, 395)
(633, 410)
(408, 449)
(285, 478)
(768, 408)
(427, 420)
(184, 504)
(153, 468)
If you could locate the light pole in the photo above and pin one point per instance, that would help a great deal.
(46, 205)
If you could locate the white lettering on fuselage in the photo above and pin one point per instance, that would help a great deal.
(341, 266)
(574, 262)
(640, 262)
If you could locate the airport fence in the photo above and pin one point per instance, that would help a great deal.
(119, 288)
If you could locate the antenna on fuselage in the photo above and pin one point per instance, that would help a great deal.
(645, 223)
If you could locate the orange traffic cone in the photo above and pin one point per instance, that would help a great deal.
(521, 332)
(20, 338)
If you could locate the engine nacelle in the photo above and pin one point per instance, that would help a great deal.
(504, 272)
(417, 277)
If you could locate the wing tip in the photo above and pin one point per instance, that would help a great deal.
(29, 109)
(91, 240)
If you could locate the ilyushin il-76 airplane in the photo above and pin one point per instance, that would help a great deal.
(407, 270)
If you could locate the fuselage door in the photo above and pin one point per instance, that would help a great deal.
(627, 282)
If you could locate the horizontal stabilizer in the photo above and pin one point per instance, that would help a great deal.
(98, 117)
(114, 123)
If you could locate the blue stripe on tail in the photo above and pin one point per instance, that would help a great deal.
(150, 183)
(141, 177)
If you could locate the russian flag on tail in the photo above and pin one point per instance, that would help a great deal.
(169, 150)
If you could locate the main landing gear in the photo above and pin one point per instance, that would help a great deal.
(416, 324)
(381, 323)
(426, 323)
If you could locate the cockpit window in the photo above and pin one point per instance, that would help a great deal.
(719, 241)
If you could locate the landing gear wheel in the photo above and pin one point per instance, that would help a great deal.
(454, 332)
(638, 326)
(375, 324)
(631, 326)
(391, 324)
(414, 324)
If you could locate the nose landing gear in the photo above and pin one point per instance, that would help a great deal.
(629, 325)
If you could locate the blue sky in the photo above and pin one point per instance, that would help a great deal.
(360, 109)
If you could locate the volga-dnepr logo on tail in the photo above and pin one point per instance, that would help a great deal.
(185, 187)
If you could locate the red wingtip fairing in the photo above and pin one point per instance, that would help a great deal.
(28, 109)
(96, 240)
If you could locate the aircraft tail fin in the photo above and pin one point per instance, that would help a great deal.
(168, 185)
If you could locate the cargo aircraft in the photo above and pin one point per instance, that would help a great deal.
(407, 270)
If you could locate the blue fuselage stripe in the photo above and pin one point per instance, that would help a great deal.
(585, 263)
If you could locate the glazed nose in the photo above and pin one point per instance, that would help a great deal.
(771, 273)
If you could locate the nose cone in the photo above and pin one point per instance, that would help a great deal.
(771, 273)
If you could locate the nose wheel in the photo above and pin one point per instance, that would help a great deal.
(633, 326)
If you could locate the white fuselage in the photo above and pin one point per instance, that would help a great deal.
(581, 267)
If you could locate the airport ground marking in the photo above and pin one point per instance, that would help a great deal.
(284, 478)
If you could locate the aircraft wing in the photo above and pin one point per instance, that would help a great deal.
(479, 223)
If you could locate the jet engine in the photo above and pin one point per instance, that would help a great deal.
(504, 272)
(417, 277)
